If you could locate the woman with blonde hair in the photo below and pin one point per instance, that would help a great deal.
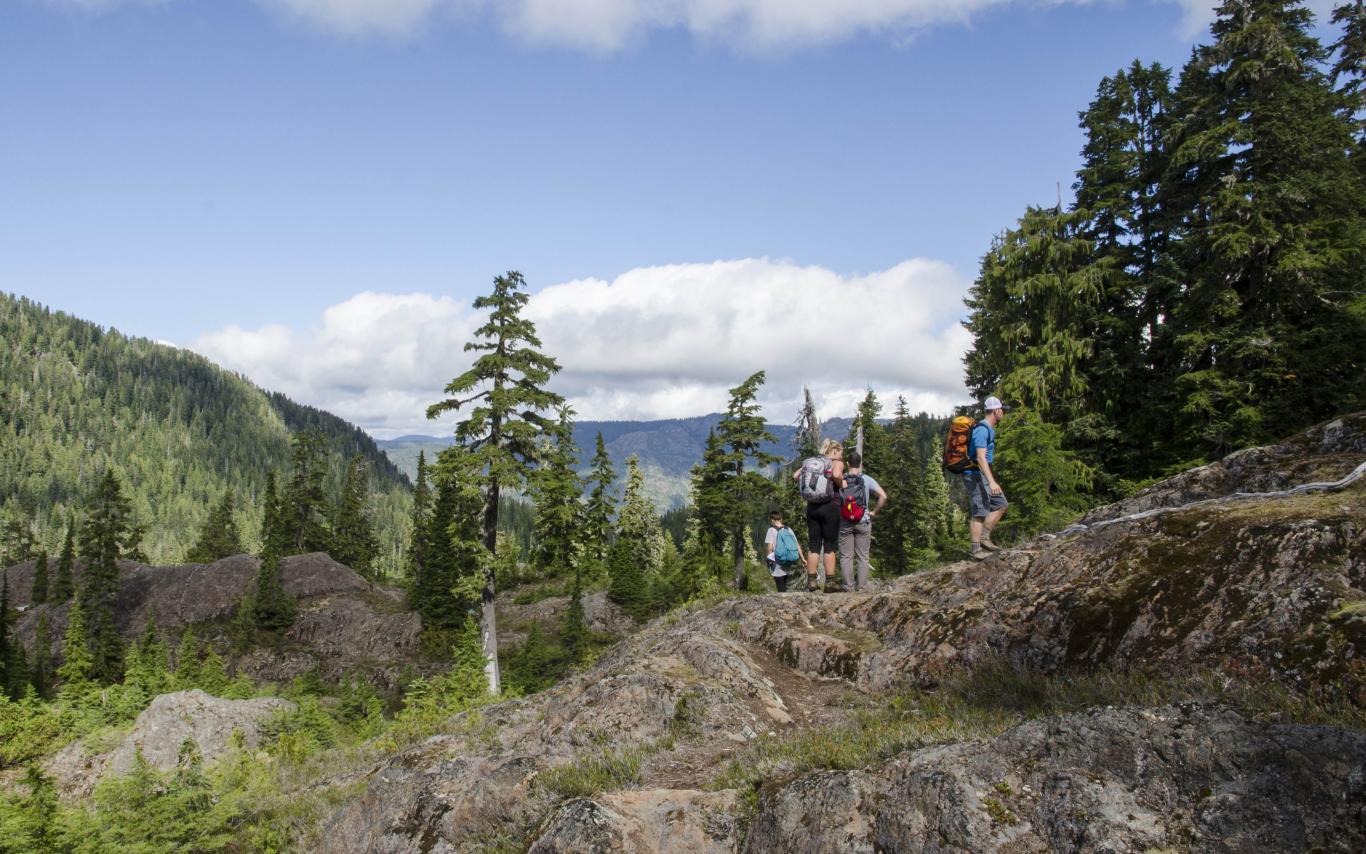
(819, 479)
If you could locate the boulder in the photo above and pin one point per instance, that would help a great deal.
(212, 723)
(653, 821)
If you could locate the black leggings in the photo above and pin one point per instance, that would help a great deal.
(823, 527)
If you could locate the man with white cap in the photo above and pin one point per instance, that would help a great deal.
(987, 500)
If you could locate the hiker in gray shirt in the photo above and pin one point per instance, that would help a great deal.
(856, 535)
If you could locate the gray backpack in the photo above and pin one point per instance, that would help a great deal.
(815, 484)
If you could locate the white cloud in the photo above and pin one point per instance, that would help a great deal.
(609, 25)
(656, 342)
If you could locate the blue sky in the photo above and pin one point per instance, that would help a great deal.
(184, 169)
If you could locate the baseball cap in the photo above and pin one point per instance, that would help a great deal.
(994, 402)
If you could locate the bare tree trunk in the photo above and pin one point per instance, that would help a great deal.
(741, 577)
(488, 617)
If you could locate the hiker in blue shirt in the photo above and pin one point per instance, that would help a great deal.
(784, 550)
(985, 495)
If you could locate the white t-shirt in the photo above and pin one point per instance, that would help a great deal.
(771, 539)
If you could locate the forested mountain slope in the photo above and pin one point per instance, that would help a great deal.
(76, 398)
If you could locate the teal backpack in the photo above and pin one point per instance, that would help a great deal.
(785, 549)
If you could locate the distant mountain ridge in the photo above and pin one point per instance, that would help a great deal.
(667, 448)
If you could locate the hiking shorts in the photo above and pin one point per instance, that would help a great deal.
(823, 527)
(980, 497)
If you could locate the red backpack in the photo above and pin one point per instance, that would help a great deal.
(853, 498)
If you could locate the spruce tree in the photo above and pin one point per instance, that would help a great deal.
(1349, 66)
(353, 535)
(806, 441)
(272, 525)
(272, 607)
(741, 490)
(109, 534)
(78, 665)
(896, 538)
(710, 510)
(63, 586)
(417, 540)
(1047, 483)
(303, 505)
(1266, 202)
(16, 533)
(598, 514)
(40, 585)
(455, 551)
(934, 514)
(557, 491)
(635, 556)
(503, 395)
(219, 537)
(877, 450)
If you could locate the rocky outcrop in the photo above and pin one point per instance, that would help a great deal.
(159, 733)
(1260, 589)
(347, 626)
(599, 614)
(1165, 779)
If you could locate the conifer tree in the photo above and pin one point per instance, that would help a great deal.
(272, 607)
(935, 512)
(109, 534)
(417, 541)
(40, 585)
(877, 452)
(63, 586)
(743, 489)
(503, 394)
(635, 556)
(1266, 203)
(902, 478)
(303, 505)
(807, 439)
(16, 533)
(559, 512)
(353, 535)
(1349, 67)
(598, 514)
(455, 551)
(219, 537)
(710, 510)
(1047, 482)
(272, 525)
(78, 665)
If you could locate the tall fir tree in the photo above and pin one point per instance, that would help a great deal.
(598, 514)
(353, 534)
(896, 541)
(219, 537)
(877, 450)
(109, 534)
(744, 489)
(1266, 202)
(16, 533)
(1349, 64)
(635, 556)
(560, 513)
(63, 586)
(267, 605)
(710, 510)
(418, 546)
(455, 549)
(40, 582)
(303, 503)
(6, 643)
(503, 395)
(78, 665)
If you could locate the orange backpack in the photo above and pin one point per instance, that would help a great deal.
(956, 457)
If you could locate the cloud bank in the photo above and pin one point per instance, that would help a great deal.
(609, 25)
(655, 342)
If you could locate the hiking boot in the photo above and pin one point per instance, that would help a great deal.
(813, 584)
(989, 545)
(833, 586)
(978, 553)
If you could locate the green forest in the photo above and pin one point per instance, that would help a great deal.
(181, 433)
(1201, 294)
